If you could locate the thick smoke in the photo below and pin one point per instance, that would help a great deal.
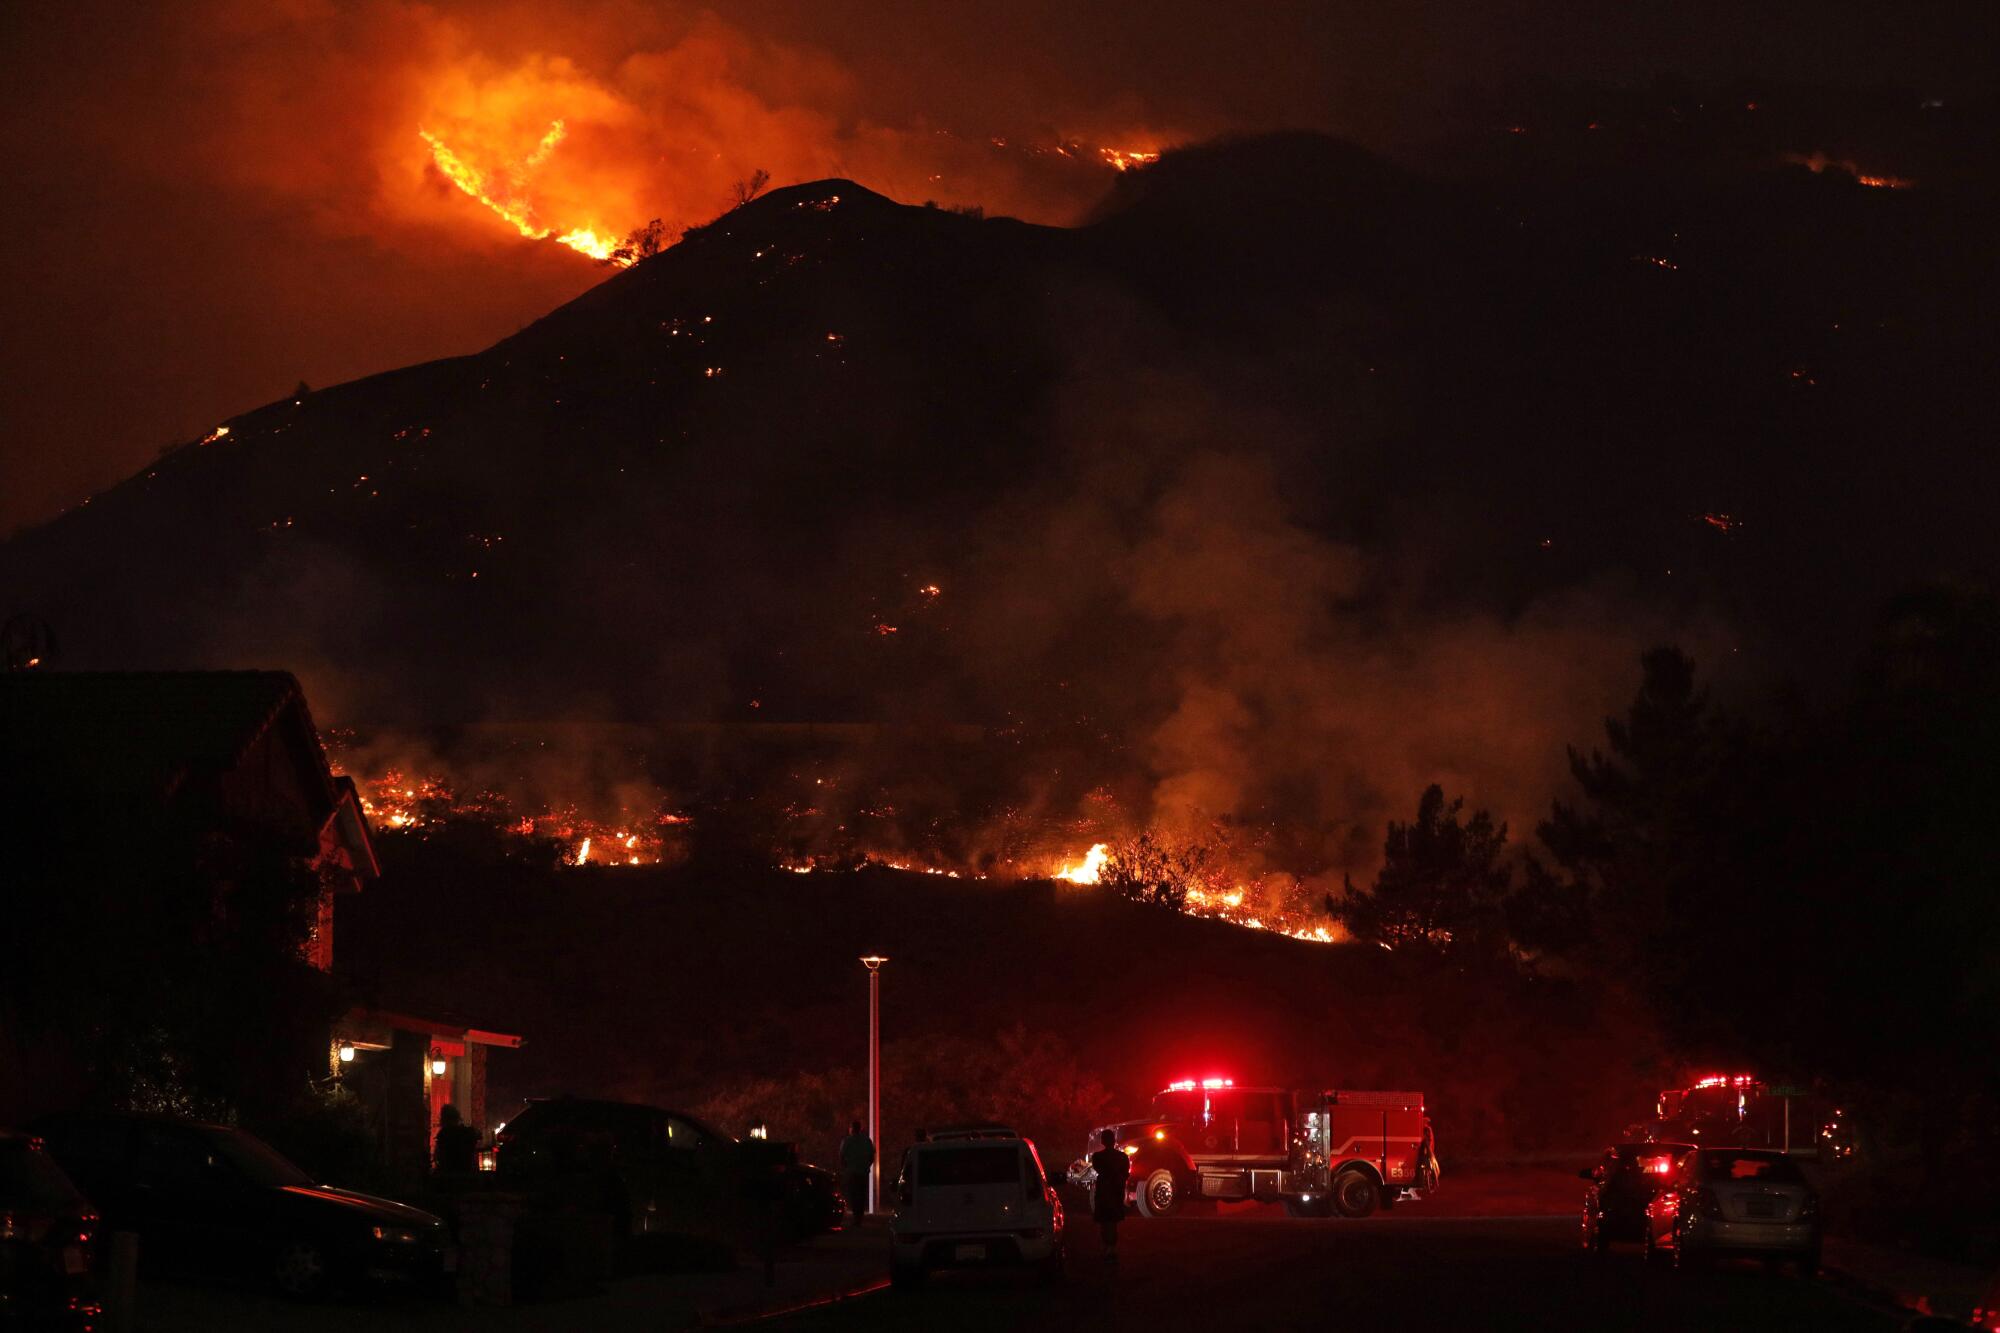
(1267, 677)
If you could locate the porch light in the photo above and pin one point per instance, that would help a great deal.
(438, 1066)
(347, 1052)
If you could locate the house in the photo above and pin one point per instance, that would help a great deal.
(216, 752)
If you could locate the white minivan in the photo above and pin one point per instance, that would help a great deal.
(974, 1197)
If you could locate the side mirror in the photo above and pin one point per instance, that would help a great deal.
(1588, 1173)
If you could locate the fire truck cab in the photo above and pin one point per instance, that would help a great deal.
(1209, 1139)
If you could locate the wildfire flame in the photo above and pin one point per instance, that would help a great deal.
(1090, 869)
(506, 192)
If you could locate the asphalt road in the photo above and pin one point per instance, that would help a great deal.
(1400, 1272)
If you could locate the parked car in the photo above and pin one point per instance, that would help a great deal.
(1745, 1202)
(807, 1198)
(207, 1199)
(1622, 1183)
(48, 1235)
(656, 1172)
(974, 1198)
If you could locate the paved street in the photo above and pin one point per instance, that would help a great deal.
(1267, 1272)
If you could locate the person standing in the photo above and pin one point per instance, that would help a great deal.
(857, 1155)
(1107, 1200)
(455, 1151)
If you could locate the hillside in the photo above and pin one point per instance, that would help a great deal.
(683, 988)
(1291, 483)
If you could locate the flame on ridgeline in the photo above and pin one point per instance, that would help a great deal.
(507, 192)
(1124, 159)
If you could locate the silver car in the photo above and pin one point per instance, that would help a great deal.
(1735, 1202)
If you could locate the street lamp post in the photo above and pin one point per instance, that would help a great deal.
(873, 962)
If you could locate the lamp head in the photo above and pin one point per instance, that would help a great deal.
(873, 961)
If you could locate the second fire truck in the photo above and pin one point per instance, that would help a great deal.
(1319, 1153)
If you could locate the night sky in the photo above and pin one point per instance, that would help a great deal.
(209, 202)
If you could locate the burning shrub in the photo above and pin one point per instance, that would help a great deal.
(1162, 869)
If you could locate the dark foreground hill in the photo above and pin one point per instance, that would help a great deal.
(741, 992)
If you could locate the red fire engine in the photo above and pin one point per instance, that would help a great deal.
(1352, 1150)
(1744, 1111)
(1318, 1153)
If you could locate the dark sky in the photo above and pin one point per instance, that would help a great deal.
(208, 201)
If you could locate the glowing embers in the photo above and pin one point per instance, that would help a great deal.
(395, 801)
(507, 190)
(1819, 162)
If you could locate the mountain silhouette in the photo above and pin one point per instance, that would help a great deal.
(831, 457)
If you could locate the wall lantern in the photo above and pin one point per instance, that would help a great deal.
(347, 1052)
(438, 1066)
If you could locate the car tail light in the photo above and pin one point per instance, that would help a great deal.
(1703, 1203)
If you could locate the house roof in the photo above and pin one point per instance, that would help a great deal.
(136, 734)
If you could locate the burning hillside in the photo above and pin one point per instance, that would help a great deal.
(795, 815)
(855, 533)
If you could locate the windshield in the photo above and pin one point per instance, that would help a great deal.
(943, 1168)
(1767, 1168)
(255, 1160)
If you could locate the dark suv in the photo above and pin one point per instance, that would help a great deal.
(209, 1199)
(656, 1172)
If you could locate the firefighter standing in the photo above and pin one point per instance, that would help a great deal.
(1107, 1202)
(857, 1155)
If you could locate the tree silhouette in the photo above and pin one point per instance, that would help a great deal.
(1442, 887)
(639, 243)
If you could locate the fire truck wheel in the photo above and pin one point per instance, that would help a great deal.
(1354, 1194)
(1320, 1207)
(1160, 1195)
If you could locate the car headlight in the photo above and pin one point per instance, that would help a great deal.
(395, 1235)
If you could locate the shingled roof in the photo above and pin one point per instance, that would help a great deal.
(137, 735)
